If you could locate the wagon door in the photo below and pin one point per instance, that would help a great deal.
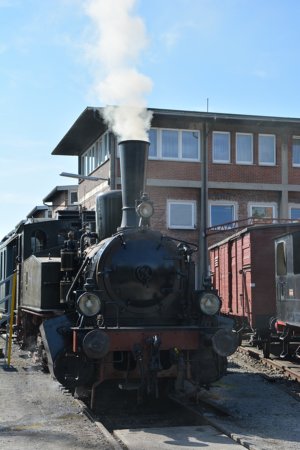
(281, 271)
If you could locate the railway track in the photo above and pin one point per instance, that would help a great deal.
(290, 369)
(176, 420)
(243, 410)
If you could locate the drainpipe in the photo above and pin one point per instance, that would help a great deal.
(203, 252)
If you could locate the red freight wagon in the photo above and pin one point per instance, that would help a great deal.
(243, 271)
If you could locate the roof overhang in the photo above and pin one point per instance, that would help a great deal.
(86, 129)
(35, 210)
(90, 125)
(213, 117)
(56, 189)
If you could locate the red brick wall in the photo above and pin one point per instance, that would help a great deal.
(253, 173)
(170, 170)
(243, 197)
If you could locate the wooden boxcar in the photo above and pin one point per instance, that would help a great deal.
(243, 271)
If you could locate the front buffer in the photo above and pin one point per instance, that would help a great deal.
(136, 356)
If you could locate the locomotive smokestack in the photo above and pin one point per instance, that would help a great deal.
(133, 158)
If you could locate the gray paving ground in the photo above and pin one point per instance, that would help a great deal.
(264, 414)
(35, 413)
(183, 438)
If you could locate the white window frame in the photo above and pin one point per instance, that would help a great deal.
(246, 162)
(293, 206)
(295, 164)
(159, 146)
(272, 205)
(267, 163)
(95, 155)
(191, 203)
(222, 203)
(216, 160)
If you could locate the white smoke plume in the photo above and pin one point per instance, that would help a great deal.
(120, 36)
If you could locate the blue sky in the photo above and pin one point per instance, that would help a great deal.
(242, 55)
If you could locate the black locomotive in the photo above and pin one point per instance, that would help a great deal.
(120, 304)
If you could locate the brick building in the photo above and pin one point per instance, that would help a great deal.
(61, 198)
(251, 165)
(39, 212)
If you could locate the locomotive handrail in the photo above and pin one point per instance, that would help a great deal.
(7, 297)
(76, 278)
(8, 315)
(181, 241)
(236, 225)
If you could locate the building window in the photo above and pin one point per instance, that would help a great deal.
(295, 212)
(190, 144)
(222, 213)
(221, 147)
(244, 148)
(296, 151)
(153, 143)
(73, 198)
(169, 140)
(95, 155)
(266, 150)
(38, 241)
(262, 211)
(174, 144)
(181, 214)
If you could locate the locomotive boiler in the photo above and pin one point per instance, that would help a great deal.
(127, 308)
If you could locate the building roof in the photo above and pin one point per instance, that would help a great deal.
(53, 193)
(90, 125)
(85, 130)
(35, 210)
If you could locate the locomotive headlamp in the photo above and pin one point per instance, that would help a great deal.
(209, 303)
(145, 209)
(89, 304)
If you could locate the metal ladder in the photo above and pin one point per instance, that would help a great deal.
(7, 305)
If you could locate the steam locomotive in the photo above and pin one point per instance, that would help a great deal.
(120, 304)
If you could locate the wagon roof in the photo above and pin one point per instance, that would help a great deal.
(256, 227)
